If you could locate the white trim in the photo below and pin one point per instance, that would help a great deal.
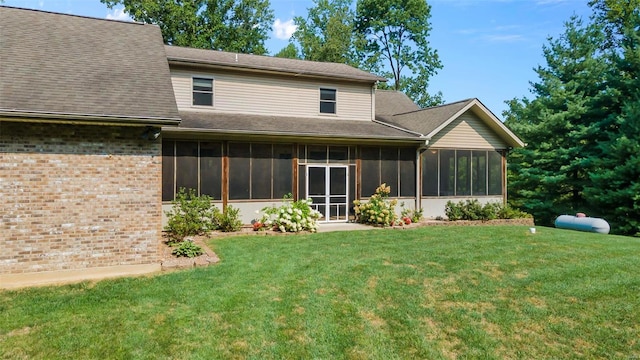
(213, 91)
(327, 183)
(320, 88)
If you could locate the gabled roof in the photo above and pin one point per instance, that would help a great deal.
(84, 69)
(428, 122)
(247, 62)
(267, 125)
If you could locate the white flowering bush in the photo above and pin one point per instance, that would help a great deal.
(292, 216)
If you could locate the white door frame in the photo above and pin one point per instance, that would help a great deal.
(327, 204)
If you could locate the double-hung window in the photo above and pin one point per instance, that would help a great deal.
(202, 91)
(327, 101)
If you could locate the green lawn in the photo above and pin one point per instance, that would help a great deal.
(428, 293)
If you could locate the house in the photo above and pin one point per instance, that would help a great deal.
(101, 124)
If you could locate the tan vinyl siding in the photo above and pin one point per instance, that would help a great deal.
(469, 132)
(271, 95)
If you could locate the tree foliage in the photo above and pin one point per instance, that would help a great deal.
(290, 52)
(326, 34)
(229, 25)
(582, 127)
(392, 39)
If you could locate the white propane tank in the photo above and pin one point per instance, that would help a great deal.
(582, 223)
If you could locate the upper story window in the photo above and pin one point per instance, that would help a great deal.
(327, 101)
(202, 91)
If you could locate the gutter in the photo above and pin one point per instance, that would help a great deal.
(88, 118)
(286, 134)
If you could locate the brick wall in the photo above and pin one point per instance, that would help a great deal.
(77, 196)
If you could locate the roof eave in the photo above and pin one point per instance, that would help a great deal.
(174, 130)
(46, 116)
(267, 70)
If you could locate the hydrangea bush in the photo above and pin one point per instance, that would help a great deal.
(379, 210)
(292, 216)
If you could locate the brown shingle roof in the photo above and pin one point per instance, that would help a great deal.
(390, 102)
(424, 121)
(78, 67)
(226, 123)
(430, 121)
(184, 55)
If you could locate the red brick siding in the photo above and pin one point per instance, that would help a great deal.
(77, 196)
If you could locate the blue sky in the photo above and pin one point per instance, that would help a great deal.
(488, 47)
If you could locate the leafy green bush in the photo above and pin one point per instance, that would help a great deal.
(187, 249)
(379, 210)
(453, 211)
(229, 220)
(413, 214)
(292, 216)
(473, 210)
(191, 215)
(507, 212)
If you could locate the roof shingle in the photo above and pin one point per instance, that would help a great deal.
(77, 66)
(268, 63)
(293, 126)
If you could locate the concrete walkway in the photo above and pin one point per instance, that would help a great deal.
(328, 227)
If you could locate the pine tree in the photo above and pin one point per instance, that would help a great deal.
(548, 176)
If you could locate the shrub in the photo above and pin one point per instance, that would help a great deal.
(507, 212)
(412, 215)
(379, 210)
(292, 216)
(453, 211)
(191, 215)
(472, 210)
(229, 220)
(187, 249)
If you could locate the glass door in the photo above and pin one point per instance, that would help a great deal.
(327, 187)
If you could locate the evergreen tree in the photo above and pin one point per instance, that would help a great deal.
(548, 176)
(615, 189)
(582, 128)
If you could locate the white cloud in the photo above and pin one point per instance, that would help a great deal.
(284, 29)
(509, 38)
(118, 14)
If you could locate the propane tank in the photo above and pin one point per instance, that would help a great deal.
(582, 223)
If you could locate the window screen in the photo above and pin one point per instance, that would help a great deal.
(211, 169)
(186, 165)
(370, 170)
(407, 161)
(479, 172)
(389, 168)
(495, 173)
(463, 172)
(430, 173)
(168, 170)
(282, 170)
(239, 171)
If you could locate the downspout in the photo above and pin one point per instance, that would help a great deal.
(419, 152)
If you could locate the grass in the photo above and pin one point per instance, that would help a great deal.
(430, 293)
